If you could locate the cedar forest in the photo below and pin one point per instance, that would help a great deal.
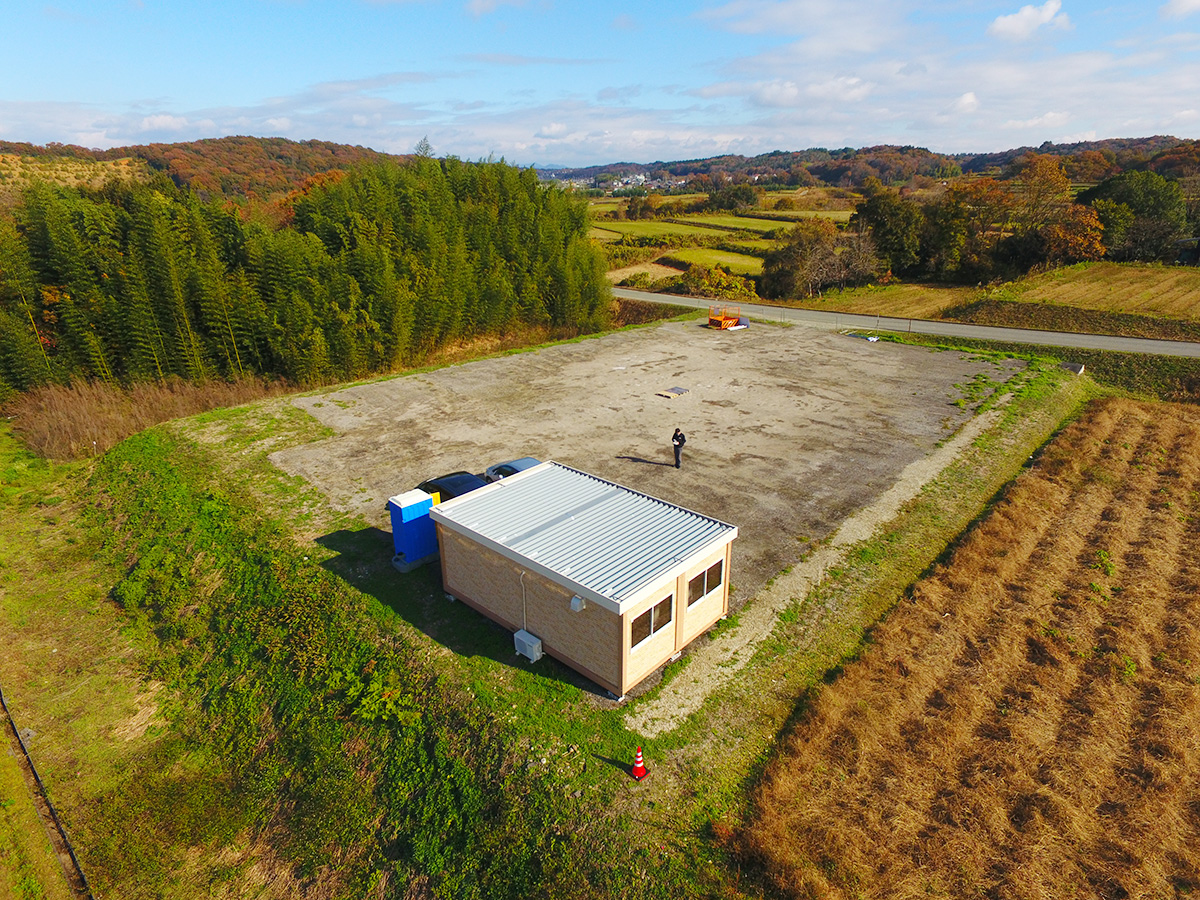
(377, 268)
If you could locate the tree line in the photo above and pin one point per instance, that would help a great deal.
(375, 268)
(981, 229)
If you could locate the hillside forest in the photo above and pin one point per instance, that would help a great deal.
(362, 271)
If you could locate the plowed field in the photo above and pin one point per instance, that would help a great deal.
(1027, 722)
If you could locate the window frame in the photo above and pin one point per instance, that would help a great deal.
(705, 578)
(656, 622)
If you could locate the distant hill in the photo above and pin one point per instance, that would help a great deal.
(270, 168)
(215, 167)
(1128, 152)
(850, 167)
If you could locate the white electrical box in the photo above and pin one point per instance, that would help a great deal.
(527, 645)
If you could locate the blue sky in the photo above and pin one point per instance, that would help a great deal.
(552, 82)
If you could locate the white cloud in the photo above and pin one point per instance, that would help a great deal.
(1022, 24)
(828, 29)
(1049, 120)
(552, 130)
(164, 122)
(776, 93)
(479, 8)
(1177, 9)
(967, 103)
(843, 89)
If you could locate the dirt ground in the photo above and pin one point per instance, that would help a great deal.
(790, 429)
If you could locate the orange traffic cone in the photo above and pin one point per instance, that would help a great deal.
(639, 768)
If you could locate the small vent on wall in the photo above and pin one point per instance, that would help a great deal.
(578, 603)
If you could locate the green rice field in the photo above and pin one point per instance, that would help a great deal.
(736, 263)
(653, 228)
(755, 246)
(837, 215)
(737, 223)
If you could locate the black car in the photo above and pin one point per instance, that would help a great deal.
(453, 485)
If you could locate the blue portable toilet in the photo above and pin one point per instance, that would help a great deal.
(413, 532)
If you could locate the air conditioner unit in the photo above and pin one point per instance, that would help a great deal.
(527, 645)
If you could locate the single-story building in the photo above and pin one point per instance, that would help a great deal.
(607, 580)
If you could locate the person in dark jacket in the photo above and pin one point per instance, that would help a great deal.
(678, 439)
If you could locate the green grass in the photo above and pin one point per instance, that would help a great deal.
(737, 263)
(836, 215)
(1169, 378)
(28, 867)
(598, 233)
(754, 247)
(736, 223)
(650, 228)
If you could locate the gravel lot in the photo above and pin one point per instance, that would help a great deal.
(790, 429)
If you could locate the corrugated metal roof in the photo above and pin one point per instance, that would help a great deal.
(607, 538)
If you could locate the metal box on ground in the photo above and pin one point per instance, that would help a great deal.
(527, 645)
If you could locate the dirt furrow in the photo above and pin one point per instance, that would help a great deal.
(1025, 728)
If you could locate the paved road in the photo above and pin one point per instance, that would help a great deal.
(838, 321)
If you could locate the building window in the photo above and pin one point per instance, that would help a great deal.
(706, 582)
(656, 617)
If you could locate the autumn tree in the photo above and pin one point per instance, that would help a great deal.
(1156, 217)
(815, 256)
(963, 227)
(1076, 237)
(1044, 192)
(895, 226)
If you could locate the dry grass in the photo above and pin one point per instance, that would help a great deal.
(89, 417)
(18, 172)
(653, 269)
(905, 301)
(1145, 290)
(1025, 727)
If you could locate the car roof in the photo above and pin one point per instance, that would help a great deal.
(453, 478)
(525, 462)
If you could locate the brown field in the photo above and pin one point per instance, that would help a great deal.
(653, 269)
(906, 301)
(1147, 290)
(1025, 724)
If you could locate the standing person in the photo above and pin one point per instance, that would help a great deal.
(678, 439)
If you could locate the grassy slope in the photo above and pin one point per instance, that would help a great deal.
(76, 676)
